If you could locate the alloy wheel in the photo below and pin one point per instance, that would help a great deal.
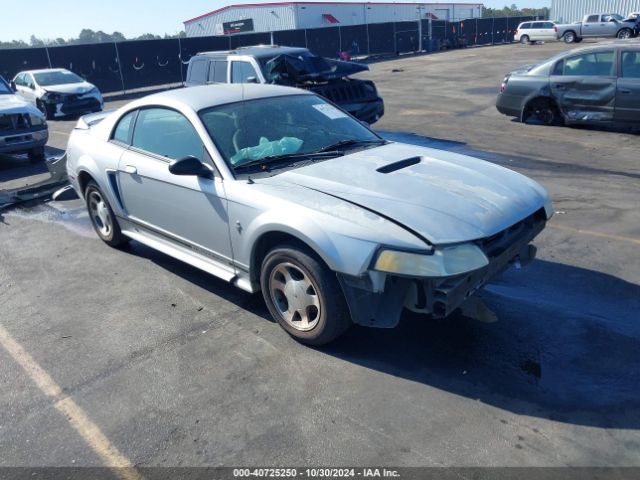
(100, 214)
(295, 296)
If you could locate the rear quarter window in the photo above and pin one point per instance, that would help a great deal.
(198, 71)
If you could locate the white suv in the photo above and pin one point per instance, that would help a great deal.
(535, 32)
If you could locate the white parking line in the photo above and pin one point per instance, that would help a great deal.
(78, 419)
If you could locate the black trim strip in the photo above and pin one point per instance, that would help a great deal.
(400, 164)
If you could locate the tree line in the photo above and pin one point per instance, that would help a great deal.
(514, 11)
(86, 36)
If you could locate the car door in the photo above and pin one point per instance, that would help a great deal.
(537, 31)
(243, 71)
(628, 87)
(608, 26)
(190, 211)
(591, 26)
(548, 31)
(25, 87)
(584, 86)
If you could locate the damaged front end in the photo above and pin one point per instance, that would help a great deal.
(330, 79)
(58, 104)
(378, 298)
(43, 189)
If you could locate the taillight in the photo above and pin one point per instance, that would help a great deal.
(503, 85)
(555, 29)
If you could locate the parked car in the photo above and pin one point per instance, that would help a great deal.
(535, 32)
(23, 128)
(597, 25)
(596, 84)
(275, 189)
(294, 67)
(58, 92)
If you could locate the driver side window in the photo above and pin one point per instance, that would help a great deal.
(166, 133)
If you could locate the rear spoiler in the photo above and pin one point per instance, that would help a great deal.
(87, 121)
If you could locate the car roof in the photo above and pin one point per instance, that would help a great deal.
(633, 43)
(43, 70)
(257, 51)
(205, 96)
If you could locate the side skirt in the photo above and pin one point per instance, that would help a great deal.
(185, 254)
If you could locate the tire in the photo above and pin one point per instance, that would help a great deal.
(36, 154)
(544, 110)
(569, 37)
(524, 39)
(624, 34)
(292, 278)
(43, 108)
(102, 217)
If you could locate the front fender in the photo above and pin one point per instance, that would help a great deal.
(342, 253)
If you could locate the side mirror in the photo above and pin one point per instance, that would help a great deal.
(251, 80)
(190, 166)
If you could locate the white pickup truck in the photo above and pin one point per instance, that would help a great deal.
(597, 25)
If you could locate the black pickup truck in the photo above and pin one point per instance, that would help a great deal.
(296, 67)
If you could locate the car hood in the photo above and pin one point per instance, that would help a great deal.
(442, 196)
(14, 104)
(75, 88)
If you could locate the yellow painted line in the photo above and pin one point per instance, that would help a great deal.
(77, 418)
(581, 231)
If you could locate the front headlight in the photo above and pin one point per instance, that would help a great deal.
(444, 262)
(36, 120)
(52, 97)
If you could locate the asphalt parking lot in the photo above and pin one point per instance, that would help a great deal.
(145, 360)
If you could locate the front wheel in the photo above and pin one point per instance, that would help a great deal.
(569, 37)
(303, 295)
(524, 39)
(624, 34)
(48, 114)
(102, 217)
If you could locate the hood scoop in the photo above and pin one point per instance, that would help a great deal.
(399, 165)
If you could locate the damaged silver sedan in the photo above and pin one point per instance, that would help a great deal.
(276, 190)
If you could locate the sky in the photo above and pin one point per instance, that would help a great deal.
(49, 19)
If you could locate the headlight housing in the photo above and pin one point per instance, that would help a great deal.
(444, 262)
(36, 120)
(52, 97)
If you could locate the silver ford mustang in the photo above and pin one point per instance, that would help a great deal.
(275, 189)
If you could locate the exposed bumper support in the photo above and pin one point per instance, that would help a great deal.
(439, 297)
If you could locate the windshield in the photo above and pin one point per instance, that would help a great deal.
(56, 77)
(4, 87)
(271, 129)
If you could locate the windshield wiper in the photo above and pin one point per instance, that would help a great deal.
(351, 142)
(266, 163)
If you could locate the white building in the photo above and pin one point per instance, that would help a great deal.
(269, 17)
(569, 11)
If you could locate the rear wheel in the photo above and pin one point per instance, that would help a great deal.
(36, 154)
(625, 33)
(102, 217)
(303, 295)
(542, 110)
(524, 39)
(569, 37)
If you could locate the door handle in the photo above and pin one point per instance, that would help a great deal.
(624, 90)
(130, 169)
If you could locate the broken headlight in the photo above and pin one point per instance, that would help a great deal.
(443, 262)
